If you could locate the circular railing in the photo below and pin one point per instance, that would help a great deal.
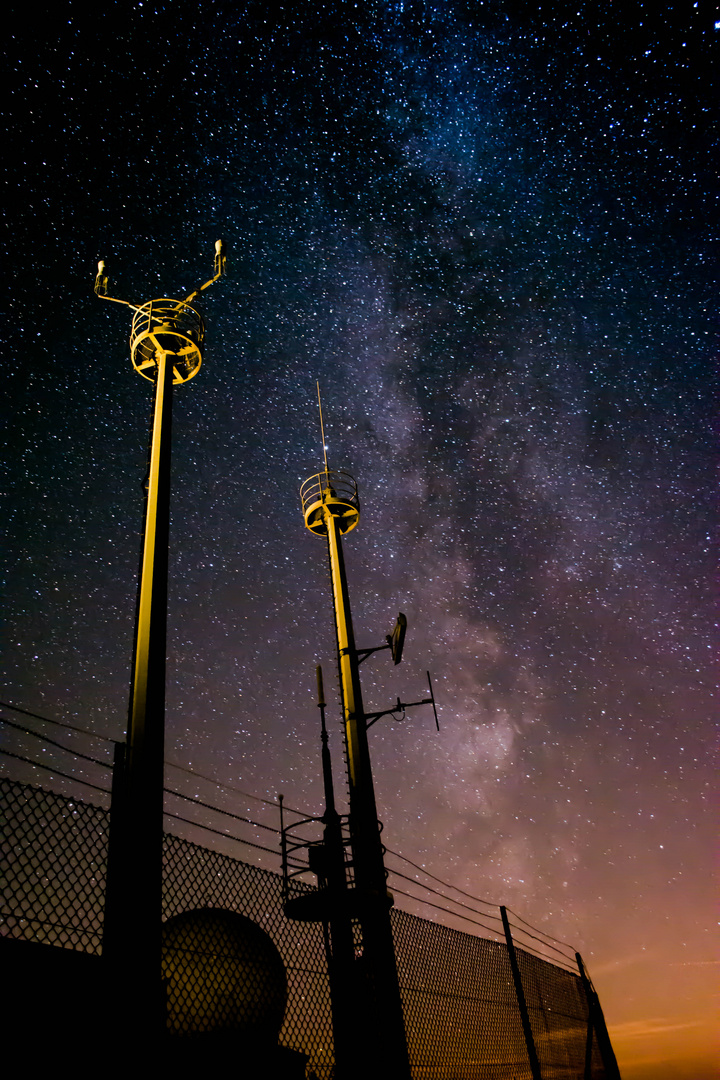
(333, 491)
(171, 327)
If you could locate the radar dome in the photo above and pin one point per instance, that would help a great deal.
(223, 974)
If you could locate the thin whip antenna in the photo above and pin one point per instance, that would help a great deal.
(322, 429)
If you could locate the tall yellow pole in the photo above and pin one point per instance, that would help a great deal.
(166, 347)
(146, 725)
(380, 1031)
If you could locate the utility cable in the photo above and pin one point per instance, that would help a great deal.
(51, 742)
(558, 941)
(442, 896)
(217, 810)
(57, 772)
(456, 914)
(477, 899)
(59, 723)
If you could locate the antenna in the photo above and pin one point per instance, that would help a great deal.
(396, 640)
(322, 429)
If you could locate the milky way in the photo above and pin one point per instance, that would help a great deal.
(486, 232)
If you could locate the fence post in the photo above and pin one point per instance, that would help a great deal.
(113, 928)
(587, 1072)
(597, 1020)
(522, 1003)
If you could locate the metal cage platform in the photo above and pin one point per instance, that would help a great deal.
(172, 327)
(335, 490)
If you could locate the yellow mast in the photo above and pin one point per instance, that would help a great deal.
(166, 347)
(331, 508)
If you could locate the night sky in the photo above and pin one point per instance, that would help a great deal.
(485, 228)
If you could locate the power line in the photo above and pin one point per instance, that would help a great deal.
(59, 723)
(57, 772)
(435, 892)
(477, 899)
(51, 742)
(227, 836)
(456, 914)
(559, 941)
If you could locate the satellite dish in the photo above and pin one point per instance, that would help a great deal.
(396, 640)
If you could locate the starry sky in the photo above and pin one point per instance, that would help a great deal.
(486, 229)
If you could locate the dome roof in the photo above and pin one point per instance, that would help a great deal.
(223, 973)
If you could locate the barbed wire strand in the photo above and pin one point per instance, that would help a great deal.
(227, 836)
(545, 944)
(559, 941)
(217, 810)
(456, 914)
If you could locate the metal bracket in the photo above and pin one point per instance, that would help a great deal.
(362, 654)
(395, 642)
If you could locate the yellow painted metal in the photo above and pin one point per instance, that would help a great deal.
(166, 342)
(172, 327)
(148, 581)
(140, 849)
(331, 508)
(332, 492)
(219, 269)
(357, 752)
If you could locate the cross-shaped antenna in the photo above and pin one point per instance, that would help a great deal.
(402, 706)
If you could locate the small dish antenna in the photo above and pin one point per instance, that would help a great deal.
(396, 640)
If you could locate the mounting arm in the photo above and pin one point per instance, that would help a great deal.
(101, 282)
(395, 642)
(219, 268)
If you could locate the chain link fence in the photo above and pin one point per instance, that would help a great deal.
(459, 998)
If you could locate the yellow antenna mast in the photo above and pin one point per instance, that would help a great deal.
(322, 429)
